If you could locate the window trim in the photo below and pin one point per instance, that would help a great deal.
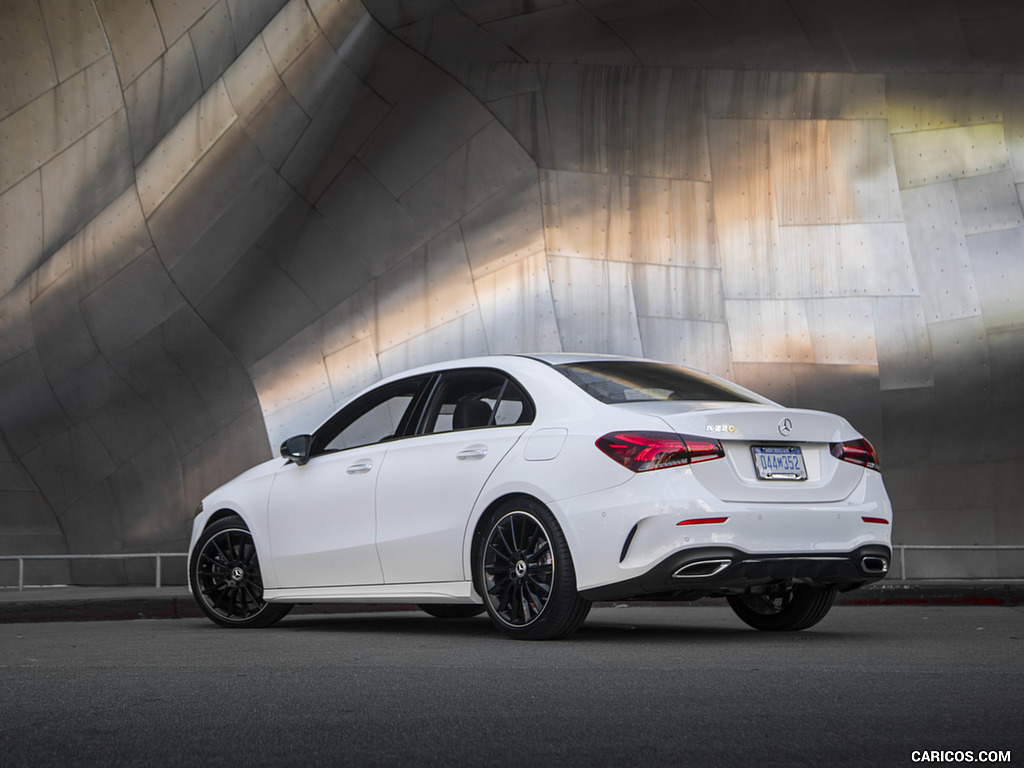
(429, 402)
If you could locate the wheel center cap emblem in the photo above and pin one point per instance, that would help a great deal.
(521, 568)
(785, 427)
(237, 573)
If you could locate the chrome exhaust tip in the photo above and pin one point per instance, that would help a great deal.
(701, 569)
(874, 564)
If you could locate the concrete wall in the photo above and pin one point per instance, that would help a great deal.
(218, 220)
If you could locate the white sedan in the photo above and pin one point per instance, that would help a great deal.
(531, 486)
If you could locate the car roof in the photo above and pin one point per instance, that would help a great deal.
(565, 358)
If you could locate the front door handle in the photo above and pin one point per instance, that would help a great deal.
(360, 467)
(472, 453)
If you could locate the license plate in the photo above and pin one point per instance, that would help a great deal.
(779, 462)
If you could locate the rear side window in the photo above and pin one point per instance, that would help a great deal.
(476, 398)
(627, 381)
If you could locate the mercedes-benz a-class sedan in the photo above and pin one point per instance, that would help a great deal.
(530, 486)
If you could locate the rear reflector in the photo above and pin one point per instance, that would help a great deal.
(703, 521)
(878, 520)
(859, 452)
(644, 451)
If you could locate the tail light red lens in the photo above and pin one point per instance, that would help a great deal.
(644, 451)
(859, 452)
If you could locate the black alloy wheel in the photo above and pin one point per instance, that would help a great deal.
(527, 576)
(786, 609)
(226, 580)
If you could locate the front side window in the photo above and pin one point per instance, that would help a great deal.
(377, 416)
(474, 399)
(629, 381)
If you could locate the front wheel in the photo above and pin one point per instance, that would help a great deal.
(526, 575)
(787, 609)
(225, 577)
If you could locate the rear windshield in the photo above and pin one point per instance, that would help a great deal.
(627, 381)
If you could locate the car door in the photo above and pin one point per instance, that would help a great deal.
(322, 514)
(429, 484)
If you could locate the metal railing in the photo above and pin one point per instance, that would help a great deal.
(121, 556)
(900, 550)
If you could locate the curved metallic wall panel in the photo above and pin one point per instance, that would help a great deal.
(221, 218)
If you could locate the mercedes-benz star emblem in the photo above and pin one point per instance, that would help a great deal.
(785, 427)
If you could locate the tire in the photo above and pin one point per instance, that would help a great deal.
(225, 576)
(452, 611)
(788, 610)
(525, 574)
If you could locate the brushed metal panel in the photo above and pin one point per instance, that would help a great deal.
(322, 266)
(16, 334)
(517, 308)
(449, 284)
(348, 115)
(465, 179)
(249, 17)
(144, 364)
(921, 101)
(148, 495)
(494, 80)
(26, 62)
(902, 343)
(251, 80)
(594, 306)
(764, 34)
(352, 369)
(277, 127)
(337, 18)
(928, 157)
(671, 223)
(1013, 122)
(300, 418)
(130, 304)
(694, 343)
(800, 156)
(75, 34)
(101, 163)
(524, 116)
(181, 149)
(255, 308)
(89, 527)
(92, 387)
(134, 35)
(226, 391)
(768, 331)
(63, 341)
(289, 33)
(739, 94)
(451, 36)
(240, 445)
(29, 412)
(402, 302)
(292, 372)
(368, 220)
(125, 426)
(433, 120)
(682, 293)
(176, 16)
(773, 380)
(482, 11)
(68, 465)
(620, 120)
(988, 202)
(566, 33)
(961, 358)
(999, 275)
(213, 40)
(112, 240)
(842, 330)
(850, 391)
(939, 248)
(310, 77)
(746, 225)
(21, 231)
(864, 171)
(392, 14)
(351, 321)
(586, 214)
(462, 337)
(506, 227)
(193, 346)
(158, 98)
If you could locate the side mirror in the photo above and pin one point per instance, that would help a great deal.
(297, 448)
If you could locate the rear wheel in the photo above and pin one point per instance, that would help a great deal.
(452, 611)
(786, 609)
(226, 579)
(526, 575)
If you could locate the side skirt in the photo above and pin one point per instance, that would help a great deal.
(439, 592)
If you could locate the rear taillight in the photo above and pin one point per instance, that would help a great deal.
(858, 452)
(644, 451)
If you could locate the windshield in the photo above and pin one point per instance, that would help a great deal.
(628, 381)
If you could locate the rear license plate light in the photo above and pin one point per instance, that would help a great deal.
(779, 462)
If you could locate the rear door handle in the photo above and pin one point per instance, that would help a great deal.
(360, 467)
(472, 453)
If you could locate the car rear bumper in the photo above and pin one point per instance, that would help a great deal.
(703, 571)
